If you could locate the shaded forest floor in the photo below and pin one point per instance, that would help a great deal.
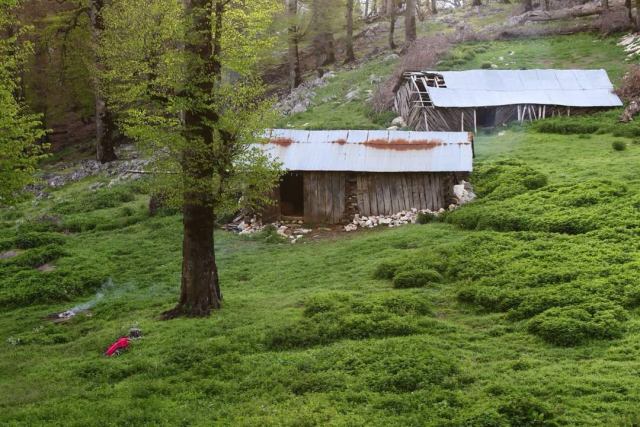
(530, 316)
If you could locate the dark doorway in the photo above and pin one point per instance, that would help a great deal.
(486, 117)
(292, 194)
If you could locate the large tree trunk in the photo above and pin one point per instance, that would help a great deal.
(528, 5)
(350, 56)
(410, 22)
(295, 75)
(105, 136)
(200, 288)
(434, 7)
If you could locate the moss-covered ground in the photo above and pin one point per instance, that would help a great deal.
(525, 314)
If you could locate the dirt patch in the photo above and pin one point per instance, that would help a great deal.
(9, 254)
(47, 268)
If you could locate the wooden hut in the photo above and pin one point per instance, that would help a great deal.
(333, 175)
(468, 100)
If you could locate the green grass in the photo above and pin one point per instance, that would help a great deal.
(331, 110)
(564, 52)
(519, 316)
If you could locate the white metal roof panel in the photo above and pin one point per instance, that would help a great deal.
(479, 88)
(371, 151)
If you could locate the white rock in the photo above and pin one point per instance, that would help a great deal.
(350, 227)
(392, 128)
(399, 121)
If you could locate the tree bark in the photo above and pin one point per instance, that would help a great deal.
(528, 5)
(295, 74)
(476, 3)
(391, 13)
(627, 4)
(200, 287)
(350, 55)
(105, 135)
(410, 22)
(323, 41)
(638, 15)
(434, 7)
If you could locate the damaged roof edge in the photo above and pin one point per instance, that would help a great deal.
(370, 151)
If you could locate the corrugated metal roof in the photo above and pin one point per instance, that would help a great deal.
(370, 151)
(479, 88)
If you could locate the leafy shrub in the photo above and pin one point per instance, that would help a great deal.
(618, 145)
(387, 269)
(507, 178)
(527, 411)
(485, 65)
(564, 127)
(573, 325)
(569, 208)
(331, 317)
(101, 199)
(426, 218)
(28, 240)
(416, 278)
(20, 287)
(36, 257)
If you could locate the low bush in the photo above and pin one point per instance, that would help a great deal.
(387, 269)
(36, 257)
(618, 145)
(20, 287)
(574, 325)
(28, 240)
(100, 199)
(426, 218)
(335, 316)
(527, 411)
(569, 208)
(504, 179)
(416, 278)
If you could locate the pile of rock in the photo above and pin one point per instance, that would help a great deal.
(293, 231)
(395, 220)
(463, 193)
(299, 100)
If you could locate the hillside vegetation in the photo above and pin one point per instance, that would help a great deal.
(519, 309)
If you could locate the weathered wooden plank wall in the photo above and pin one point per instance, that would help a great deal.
(324, 197)
(389, 193)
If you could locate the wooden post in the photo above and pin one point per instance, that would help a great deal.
(475, 121)
(462, 121)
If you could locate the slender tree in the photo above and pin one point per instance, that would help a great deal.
(186, 85)
(322, 33)
(476, 3)
(528, 5)
(627, 4)
(105, 125)
(434, 7)
(350, 55)
(295, 73)
(20, 131)
(410, 22)
(391, 14)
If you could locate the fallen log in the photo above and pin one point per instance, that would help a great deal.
(559, 14)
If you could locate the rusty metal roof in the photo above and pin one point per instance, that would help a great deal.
(479, 88)
(370, 151)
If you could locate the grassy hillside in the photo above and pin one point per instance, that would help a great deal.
(528, 314)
